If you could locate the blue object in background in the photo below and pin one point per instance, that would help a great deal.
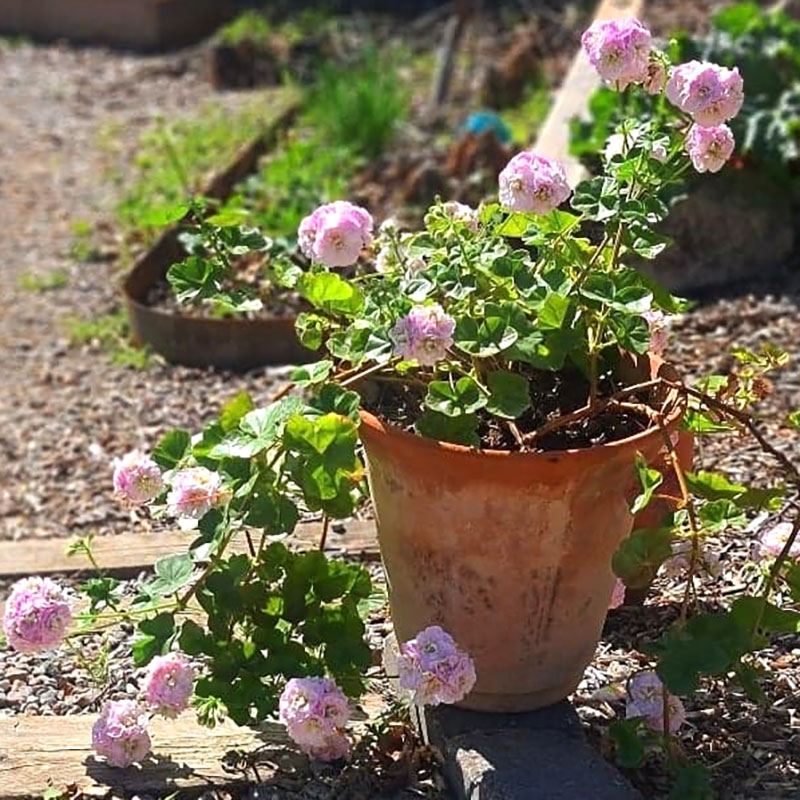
(480, 121)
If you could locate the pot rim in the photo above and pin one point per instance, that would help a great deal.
(378, 426)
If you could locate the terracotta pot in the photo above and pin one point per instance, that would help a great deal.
(509, 552)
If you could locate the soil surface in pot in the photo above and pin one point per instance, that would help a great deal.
(553, 394)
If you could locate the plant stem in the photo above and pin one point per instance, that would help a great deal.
(326, 520)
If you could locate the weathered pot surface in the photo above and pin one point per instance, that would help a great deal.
(509, 552)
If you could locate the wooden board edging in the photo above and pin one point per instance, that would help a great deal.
(129, 553)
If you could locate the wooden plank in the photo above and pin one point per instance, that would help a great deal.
(573, 96)
(37, 753)
(130, 552)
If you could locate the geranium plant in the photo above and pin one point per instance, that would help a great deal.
(516, 326)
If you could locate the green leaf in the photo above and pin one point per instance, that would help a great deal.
(693, 782)
(699, 422)
(160, 216)
(330, 293)
(171, 450)
(553, 312)
(597, 198)
(454, 400)
(310, 329)
(273, 512)
(309, 374)
(646, 242)
(515, 225)
(458, 430)
(172, 574)
(794, 419)
(649, 480)
(708, 644)
(153, 638)
(737, 18)
(485, 337)
(638, 557)
(234, 410)
(719, 515)
(628, 745)
(792, 578)
(334, 398)
(632, 332)
(715, 486)
(752, 612)
(195, 279)
(509, 394)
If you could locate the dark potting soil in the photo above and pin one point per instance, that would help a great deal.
(553, 394)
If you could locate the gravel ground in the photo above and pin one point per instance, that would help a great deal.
(66, 411)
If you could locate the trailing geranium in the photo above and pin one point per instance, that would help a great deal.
(514, 326)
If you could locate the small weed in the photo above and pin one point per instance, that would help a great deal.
(526, 119)
(250, 25)
(42, 282)
(112, 333)
(360, 105)
(175, 158)
(83, 248)
(300, 175)
(14, 40)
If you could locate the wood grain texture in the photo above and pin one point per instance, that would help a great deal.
(573, 96)
(37, 753)
(131, 552)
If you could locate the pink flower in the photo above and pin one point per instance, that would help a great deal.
(659, 324)
(315, 712)
(656, 78)
(646, 699)
(137, 479)
(464, 214)
(709, 148)
(677, 565)
(617, 595)
(37, 615)
(772, 541)
(194, 492)
(619, 49)
(530, 182)
(168, 684)
(424, 334)
(434, 669)
(335, 233)
(120, 734)
(710, 93)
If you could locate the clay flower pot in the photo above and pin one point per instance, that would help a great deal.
(509, 552)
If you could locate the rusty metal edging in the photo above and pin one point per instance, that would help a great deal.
(236, 344)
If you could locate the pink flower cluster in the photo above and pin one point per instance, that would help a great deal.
(772, 542)
(619, 49)
(168, 684)
(315, 713)
(137, 479)
(531, 182)
(659, 324)
(435, 669)
(677, 565)
(709, 148)
(646, 699)
(37, 615)
(459, 212)
(335, 233)
(709, 93)
(424, 334)
(120, 734)
(617, 595)
(194, 492)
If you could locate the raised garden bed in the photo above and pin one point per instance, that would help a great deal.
(231, 343)
(145, 24)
